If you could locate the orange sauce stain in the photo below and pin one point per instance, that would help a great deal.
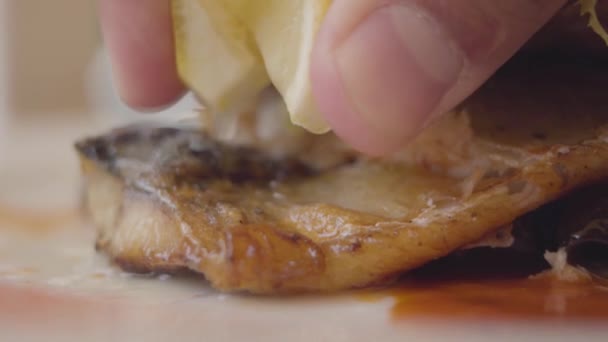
(36, 221)
(23, 271)
(540, 298)
(33, 306)
(98, 275)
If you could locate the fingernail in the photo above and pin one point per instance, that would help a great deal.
(395, 67)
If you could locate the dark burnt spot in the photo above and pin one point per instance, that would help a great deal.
(99, 246)
(126, 136)
(295, 238)
(186, 156)
(349, 159)
(516, 187)
(231, 258)
(238, 164)
(99, 151)
(141, 267)
(134, 266)
(162, 133)
(509, 172)
(207, 156)
(96, 149)
(198, 186)
(243, 166)
(492, 173)
(562, 171)
(539, 136)
(355, 246)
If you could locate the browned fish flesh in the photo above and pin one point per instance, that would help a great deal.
(171, 199)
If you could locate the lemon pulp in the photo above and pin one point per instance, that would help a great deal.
(229, 51)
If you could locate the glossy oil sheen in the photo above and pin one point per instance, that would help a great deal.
(504, 300)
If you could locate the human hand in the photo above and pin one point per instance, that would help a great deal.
(139, 38)
(381, 69)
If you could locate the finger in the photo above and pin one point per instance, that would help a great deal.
(382, 69)
(139, 38)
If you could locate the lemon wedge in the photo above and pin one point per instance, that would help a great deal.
(228, 51)
(216, 56)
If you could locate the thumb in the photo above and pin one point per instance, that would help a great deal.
(382, 69)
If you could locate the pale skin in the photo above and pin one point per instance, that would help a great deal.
(381, 69)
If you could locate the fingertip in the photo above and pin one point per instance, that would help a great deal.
(149, 93)
(151, 104)
(138, 34)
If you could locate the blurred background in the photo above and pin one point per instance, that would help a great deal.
(55, 87)
(48, 47)
(52, 59)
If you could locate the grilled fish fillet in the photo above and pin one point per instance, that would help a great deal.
(173, 199)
